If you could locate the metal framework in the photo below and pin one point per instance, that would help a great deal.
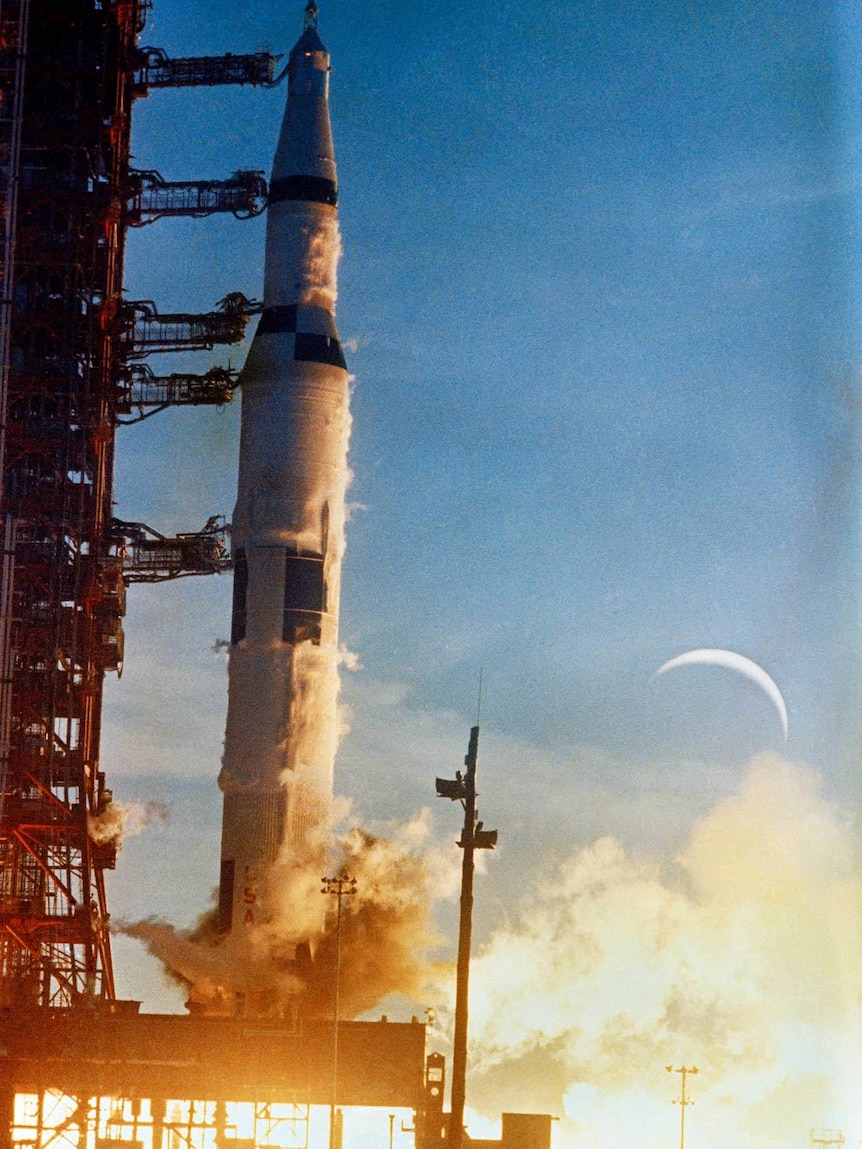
(823, 1138)
(152, 197)
(14, 19)
(70, 351)
(145, 330)
(147, 393)
(92, 1079)
(62, 1121)
(152, 557)
(155, 69)
(56, 1119)
(67, 163)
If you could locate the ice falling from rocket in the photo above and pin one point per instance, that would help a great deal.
(287, 537)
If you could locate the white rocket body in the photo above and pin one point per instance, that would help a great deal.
(287, 537)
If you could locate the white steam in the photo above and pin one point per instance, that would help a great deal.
(743, 959)
(120, 820)
(386, 932)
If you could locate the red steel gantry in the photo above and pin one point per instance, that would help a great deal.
(66, 108)
(69, 365)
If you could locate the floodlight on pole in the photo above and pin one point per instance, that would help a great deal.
(682, 1101)
(462, 788)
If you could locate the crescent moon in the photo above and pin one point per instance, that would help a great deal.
(732, 661)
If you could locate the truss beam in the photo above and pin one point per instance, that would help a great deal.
(152, 197)
(155, 69)
(153, 557)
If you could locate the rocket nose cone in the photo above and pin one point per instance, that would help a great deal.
(308, 63)
(302, 54)
(309, 41)
(305, 152)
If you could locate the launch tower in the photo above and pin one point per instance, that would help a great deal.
(66, 71)
(70, 369)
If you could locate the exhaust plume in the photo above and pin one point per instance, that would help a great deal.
(386, 932)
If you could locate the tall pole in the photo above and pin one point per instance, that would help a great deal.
(473, 837)
(682, 1101)
(338, 888)
(465, 933)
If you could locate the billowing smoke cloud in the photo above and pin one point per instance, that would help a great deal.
(119, 820)
(386, 931)
(740, 956)
(741, 959)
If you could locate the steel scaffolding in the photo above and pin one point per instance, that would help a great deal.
(155, 69)
(146, 330)
(66, 159)
(69, 73)
(152, 197)
(152, 557)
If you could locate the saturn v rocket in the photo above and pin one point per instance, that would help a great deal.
(287, 536)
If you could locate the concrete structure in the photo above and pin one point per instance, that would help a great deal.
(109, 1077)
(520, 1131)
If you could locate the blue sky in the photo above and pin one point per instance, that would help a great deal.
(600, 292)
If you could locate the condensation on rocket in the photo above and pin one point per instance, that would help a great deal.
(288, 537)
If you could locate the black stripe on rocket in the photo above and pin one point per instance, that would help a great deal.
(239, 616)
(305, 597)
(309, 346)
(306, 594)
(311, 189)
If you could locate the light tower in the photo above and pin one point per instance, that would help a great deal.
(339, 887)
(473, 837)
(682, 1101)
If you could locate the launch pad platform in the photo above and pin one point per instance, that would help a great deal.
(87, 1052)
(67, 1074)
